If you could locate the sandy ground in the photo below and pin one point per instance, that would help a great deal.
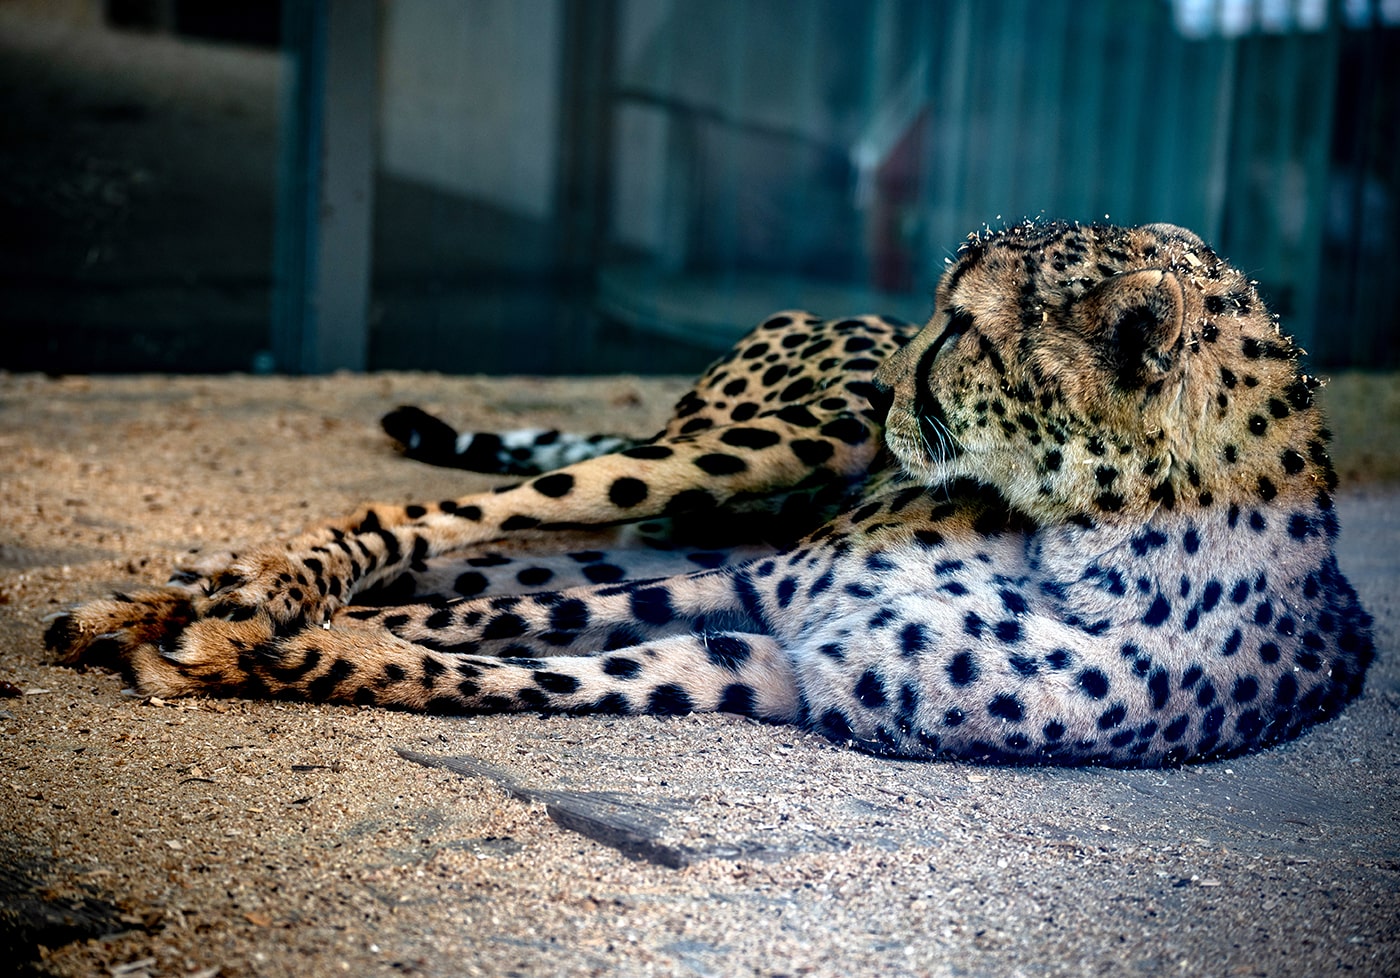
(204, 837)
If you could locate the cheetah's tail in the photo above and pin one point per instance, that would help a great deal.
(523, 452)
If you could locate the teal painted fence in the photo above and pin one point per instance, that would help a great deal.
(714, 161)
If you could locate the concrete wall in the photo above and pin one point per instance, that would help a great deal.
(470, 94)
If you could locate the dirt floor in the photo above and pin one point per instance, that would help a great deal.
(140, 837)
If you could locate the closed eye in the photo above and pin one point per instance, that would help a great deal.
(925, 404)
(959, 322)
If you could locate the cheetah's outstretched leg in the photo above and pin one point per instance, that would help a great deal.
(768, 422)
(576, 621)
(306, 580)
(366, 664)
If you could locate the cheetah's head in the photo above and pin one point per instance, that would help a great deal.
(1103, 372)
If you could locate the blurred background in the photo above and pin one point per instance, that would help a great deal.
(585, 186)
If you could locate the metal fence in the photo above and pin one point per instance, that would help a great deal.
(561, 186)
(715, 161)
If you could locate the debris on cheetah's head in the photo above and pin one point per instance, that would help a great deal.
(1102, 373)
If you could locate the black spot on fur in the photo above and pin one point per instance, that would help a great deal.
(1094, 683)
(787, 587)
(432, 668)
(1159, 686)
(717, 463)
(604, 573)
(1004, 706)
(848, 430)
(504, 626)
(651, 452)
(800, 387)
(738, 698)
(811, 452)
(653, 605)
(613, 703)
(912, 639)
(570, 614)
(727, 651)
(755, 438)
(324, 685)
(556, 682)
(1112, 717)
(1109, 502)
(621, 667)
(534, 576)
(627, 492)
(870, 690)
(439, 619)
(690, 501)
(532, 699)
(1157, 613)
(836, 725)
(669, 700)
(962, 669)
(554, 485)
(1024, 665)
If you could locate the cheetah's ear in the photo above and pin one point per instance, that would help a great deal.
(1137, 318)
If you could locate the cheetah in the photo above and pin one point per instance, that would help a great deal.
(1084, 515)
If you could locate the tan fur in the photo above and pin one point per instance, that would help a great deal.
(1107, 538)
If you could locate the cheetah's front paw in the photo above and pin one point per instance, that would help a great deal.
(156, 639)
(196, 571)
(293, 590)
(106, 631)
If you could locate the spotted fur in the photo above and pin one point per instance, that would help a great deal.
(1084, 515)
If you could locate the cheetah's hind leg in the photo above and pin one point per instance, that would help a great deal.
(524, 452)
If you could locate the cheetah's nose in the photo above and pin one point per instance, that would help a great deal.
(881, 396)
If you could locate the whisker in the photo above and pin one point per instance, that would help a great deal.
(943, 444)
(948, 443)
(928, 446)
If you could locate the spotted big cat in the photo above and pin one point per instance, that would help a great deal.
(1083, 515)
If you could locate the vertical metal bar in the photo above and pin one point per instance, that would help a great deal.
(925, 29)
(1126, 120)
(1318, 81)
(797, 211)
(1223, 142)
(325, 193)
(731, 144)
(1041, 169)
(1278, 144)
(999, 190)
(1089, 85)
(582, 197)
(953, 116)
(1167, 193)
(877, 29)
